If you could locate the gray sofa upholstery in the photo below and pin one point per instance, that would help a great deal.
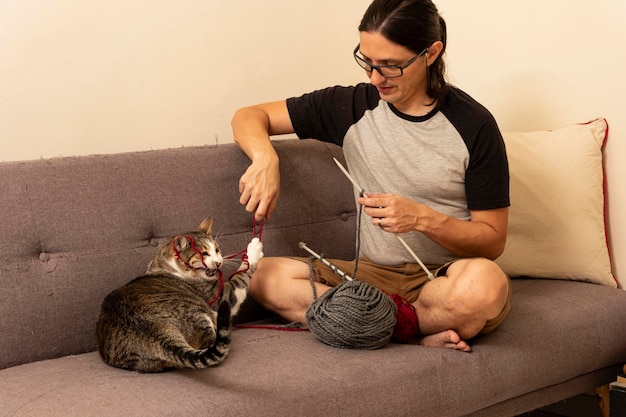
(72, 229)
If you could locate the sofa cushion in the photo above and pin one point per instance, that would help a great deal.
(557, 216)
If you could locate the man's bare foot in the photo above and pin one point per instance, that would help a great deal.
(447, 339)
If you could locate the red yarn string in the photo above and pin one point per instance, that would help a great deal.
(244, 259)
(219, 292)
(271, 327)
(194, 247)
(260, 235)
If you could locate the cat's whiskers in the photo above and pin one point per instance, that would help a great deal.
(231, 256)
(218, 235)
(231, 261)
(231, 264)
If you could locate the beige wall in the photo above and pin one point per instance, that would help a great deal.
(81, 77)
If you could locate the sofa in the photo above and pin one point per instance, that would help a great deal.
(74, 228)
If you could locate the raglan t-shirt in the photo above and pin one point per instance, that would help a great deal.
(452, 159)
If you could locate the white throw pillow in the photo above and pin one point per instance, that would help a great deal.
(557, 226)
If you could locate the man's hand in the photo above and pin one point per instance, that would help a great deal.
(484, 235)
(252, 127)
(259, 187)
(392, 212)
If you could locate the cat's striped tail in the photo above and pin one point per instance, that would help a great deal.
(215, 354)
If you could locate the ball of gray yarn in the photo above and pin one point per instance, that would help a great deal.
(353, 315)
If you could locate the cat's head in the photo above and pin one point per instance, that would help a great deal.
(197, 252)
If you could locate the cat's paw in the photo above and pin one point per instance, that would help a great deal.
(255, 251)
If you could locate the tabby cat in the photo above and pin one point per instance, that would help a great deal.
(177, 315)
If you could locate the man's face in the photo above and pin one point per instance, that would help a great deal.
(406, 92)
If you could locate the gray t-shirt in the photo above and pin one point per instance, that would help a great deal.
(453, 159)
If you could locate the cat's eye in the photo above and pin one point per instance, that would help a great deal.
(205, 253)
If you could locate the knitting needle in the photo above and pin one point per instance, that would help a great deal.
(347, 174)
(362, 192)
(414, 255)
(325, 262)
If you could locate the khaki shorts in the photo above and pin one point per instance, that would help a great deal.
(405, 280)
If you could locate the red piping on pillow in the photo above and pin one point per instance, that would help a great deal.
(604, 193)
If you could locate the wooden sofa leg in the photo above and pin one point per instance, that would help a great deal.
(602, 395)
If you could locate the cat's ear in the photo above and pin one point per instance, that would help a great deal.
(206, 225)
(181, 243)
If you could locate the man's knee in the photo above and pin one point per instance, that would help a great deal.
(267, 269)
(479, 285)
(272, 276)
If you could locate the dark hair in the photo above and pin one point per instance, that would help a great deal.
(414, 24)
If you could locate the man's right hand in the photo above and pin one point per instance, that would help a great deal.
(252, 127)
(259, 187)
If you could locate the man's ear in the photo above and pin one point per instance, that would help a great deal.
(433, 52)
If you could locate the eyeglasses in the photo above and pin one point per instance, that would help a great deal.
(387, 71)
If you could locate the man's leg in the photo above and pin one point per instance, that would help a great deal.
(282, 286)
(455, 307)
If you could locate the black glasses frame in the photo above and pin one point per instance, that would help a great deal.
(369, 67)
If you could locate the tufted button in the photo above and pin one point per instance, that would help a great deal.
(44, 257)
(154, 242)
(344, 216)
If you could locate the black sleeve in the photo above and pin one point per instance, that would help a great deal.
(487, 176)
(328, 114)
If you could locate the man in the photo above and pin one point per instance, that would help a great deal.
(434, 167)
